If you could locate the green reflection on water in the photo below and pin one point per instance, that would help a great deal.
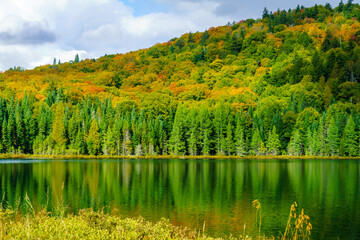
(191, 192)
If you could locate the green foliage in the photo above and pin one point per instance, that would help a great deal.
(295, 144)
(93, 139)
(332, 140)
(222, 91)
(273, 142)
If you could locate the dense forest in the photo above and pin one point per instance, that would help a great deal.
(287, 83)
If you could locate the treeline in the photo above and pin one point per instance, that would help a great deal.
(96, 127)
(284, 84)
(319, 13)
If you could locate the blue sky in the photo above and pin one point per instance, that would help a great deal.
(143, 7)
(33, 33)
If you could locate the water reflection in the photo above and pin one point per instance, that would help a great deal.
(191, 192)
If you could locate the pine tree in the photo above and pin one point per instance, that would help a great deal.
(257, 144)
(177, 139)
(93, 139)
(58, 128)
(332, 139)
(349, 6)
(11, 132)
(294, 147)
(270, 25)
(193, 142)
(340, 7)
(265, 13)
(193, 135)
(127, 140)
(19, 145)
(4, 139)
(205, 130)
(79, 144)
(320, 143)
(310, 145)
(109, 142)
(229, 145)
(240, 144)
(273, 142)
(77, 59)
(350, 138)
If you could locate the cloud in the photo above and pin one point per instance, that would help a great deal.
(92, 27)
(22, 32)
(34, 32)
(243, 9)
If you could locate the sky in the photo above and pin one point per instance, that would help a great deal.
(33, 33)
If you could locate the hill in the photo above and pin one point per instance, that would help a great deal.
(283, 84)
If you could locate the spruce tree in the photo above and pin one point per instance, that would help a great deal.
(79, 144)
(77, 58)
(93, 139)
(273, 142)
(205, 128)
(193, 135)
(332, 139)
(256, 142)
(350, 138)
(20, 140)
(4, 139)
(58, 128)
(240, 144)
(294, 147)
(177, 140)
(229, 145)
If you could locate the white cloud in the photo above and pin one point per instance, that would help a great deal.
(32, 33)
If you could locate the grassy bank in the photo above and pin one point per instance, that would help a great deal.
(35, 156)
(87, 224)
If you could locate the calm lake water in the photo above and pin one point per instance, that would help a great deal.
(191, 192)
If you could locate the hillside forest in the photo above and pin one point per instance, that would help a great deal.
(283, 84)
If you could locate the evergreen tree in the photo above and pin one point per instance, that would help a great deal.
(240, 144)
(340, 7)
(11, 132)
(20, 140)
(204, 37)
(349, 6)
(273, 142)
(257, 144)
(332, 139)
(265, 13)
(58, 128)
(310, 146)
(177, 140)
(350, 138)
(93, 139)
(294, 147)
(205, 128)
(109, 143)
(77, 59)
(4, 139)
(229, 139)
(79, 144)
(270, 25)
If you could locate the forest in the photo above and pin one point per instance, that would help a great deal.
(283, 84)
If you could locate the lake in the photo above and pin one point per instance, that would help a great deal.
(193, 192)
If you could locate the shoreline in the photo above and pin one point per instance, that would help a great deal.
(166, 157)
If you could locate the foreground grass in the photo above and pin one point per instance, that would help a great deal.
(35, 156)
(88, 224)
